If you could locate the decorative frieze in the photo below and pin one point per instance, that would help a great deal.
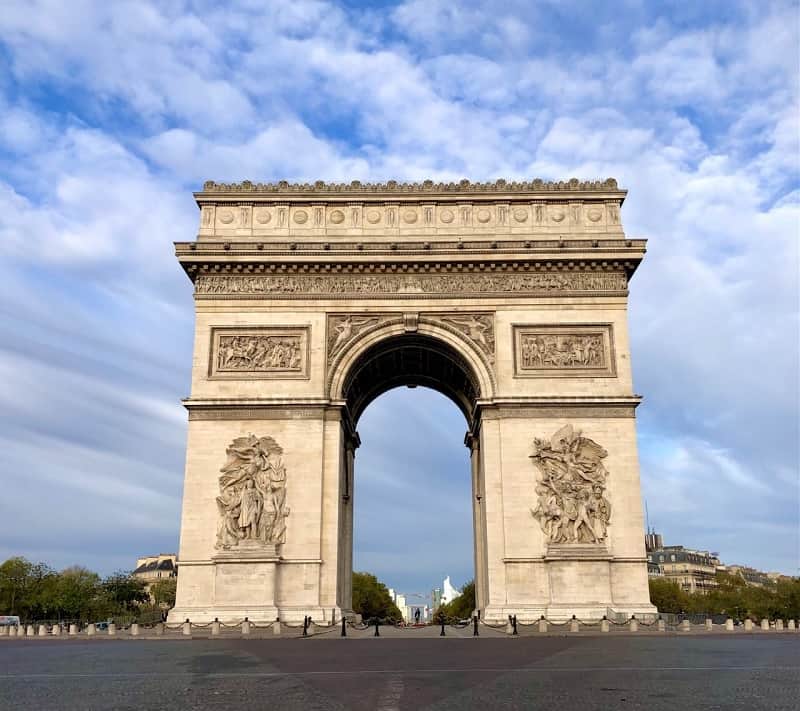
(263, 352)
(574, 350)
(572, 507)
(405, 285)
(252, 495)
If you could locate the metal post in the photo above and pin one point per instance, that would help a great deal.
(474, 625)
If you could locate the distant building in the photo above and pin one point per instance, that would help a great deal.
(694, 571)
(751, 576)
(449, 593)
(153, 568)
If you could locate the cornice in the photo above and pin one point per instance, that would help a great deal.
(426, 188)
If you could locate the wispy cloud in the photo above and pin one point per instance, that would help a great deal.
(110, 113)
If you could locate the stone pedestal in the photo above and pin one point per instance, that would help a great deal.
(729, 625)
(765, 624)
(90, 629)
(134, 630)
(748, 625)
(42, 630)
(73, 629)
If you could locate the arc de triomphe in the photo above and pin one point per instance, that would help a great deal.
(312, 300)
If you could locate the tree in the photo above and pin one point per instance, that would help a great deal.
(461, 607)
(123, 592)
(667, 595)
(371, 598)
(163, 592)
(77, 590)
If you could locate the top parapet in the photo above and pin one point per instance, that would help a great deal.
(427, 210)
(426, 186)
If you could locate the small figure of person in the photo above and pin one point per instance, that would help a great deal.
(416, 616)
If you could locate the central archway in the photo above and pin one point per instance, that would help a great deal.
(391, 357)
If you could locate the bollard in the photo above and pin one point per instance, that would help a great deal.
(729, 625)
(91, 629)
(634, 624)
(748, 625)
(31, 631)
(73, 629)
(4, 631)
(187, 628)
(790, 625)
(42, 630)
(661, 626)
(474, 625)
(134, 629)
(112, 629)
(13, 631)
(685, 626)
(377, 631)
(604, 626)
(765, 624)
(573, 625)
(344, 626)
(709, 623)
(779, 625)
(56, 631)
(246, 627)
(542, 624)
(276, 628)
(514, 624)
(215, 627)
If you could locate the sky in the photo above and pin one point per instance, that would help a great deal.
(111, 113)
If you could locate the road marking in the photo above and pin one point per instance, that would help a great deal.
(395, 671)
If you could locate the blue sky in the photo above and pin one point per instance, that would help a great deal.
(111, 113)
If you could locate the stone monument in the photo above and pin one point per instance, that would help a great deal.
(314, 299)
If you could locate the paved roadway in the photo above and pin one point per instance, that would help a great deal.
(588, 672)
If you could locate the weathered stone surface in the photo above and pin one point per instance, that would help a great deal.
(512, 295)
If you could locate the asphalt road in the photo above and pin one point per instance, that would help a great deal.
(386, 674)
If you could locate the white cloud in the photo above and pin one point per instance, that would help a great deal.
(112, 112)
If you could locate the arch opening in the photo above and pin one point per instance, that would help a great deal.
(412, 503)
(411, 360)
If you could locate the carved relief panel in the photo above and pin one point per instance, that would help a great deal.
(261, 352)
(569, 351)
(571, 504)
(252, 495)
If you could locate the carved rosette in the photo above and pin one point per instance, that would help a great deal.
(252, 495)
(572, 507)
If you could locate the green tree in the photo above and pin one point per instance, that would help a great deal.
(123, 593)
(15, 579)
(163, 592)
(371, 598)
(667, 595)
(461, 607)
(77, 590)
